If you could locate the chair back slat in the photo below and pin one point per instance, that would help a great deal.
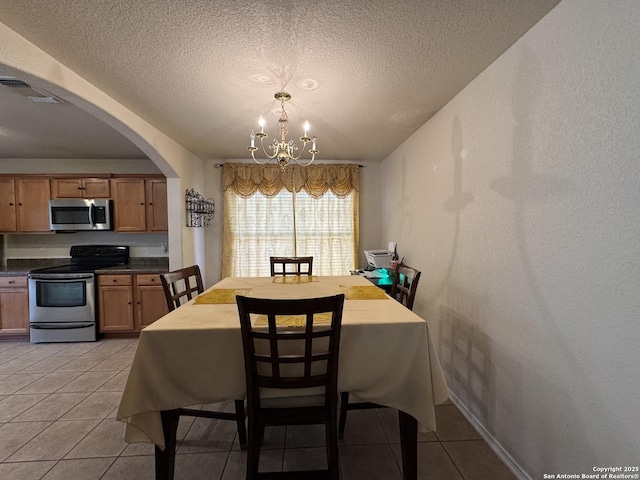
(182, 285)
(405, 284)
(296, 357)
(291, 265)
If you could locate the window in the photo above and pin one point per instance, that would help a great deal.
(299, 211)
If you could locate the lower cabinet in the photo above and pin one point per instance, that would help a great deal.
(14, 306)
(150, 301)
(128, 303)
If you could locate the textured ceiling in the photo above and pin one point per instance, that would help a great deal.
(365, 73)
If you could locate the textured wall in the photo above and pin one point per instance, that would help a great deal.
(520, 203)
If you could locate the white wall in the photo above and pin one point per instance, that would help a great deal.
(520, 201)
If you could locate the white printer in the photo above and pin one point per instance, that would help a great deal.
(378, 258)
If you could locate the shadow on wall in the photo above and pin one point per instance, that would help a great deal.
(522, 187)
(403, 204)
(469, 360)
(457, 202)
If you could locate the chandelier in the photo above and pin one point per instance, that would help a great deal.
(282, 151)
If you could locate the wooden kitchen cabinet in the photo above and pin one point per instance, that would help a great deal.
(150, 301)
(80, 188)
(129, 205)
(140, 204)
(24, 204)
(14, 306)
(128, 303)
(156, 208)
(32, 198)
(115, 298)
(7, 205)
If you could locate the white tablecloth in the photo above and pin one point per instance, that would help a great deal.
(193, 355)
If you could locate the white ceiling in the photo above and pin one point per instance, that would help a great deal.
(365, 73)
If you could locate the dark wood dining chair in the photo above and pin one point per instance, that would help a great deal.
(291, 266)
(179, 287)
(280, 360)
(405, 284)
(182, 285)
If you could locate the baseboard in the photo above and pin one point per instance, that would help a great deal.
(491, 440)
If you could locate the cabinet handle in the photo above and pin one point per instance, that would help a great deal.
(114, 280)
(11, 281)
(11, 204)
(19, 204)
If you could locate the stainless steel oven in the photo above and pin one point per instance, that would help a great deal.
(62, 307)
(62, 299)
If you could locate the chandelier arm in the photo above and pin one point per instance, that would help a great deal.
(301, 152)
(264, 150)
(313, 156)
(283, 150)
(253, 155)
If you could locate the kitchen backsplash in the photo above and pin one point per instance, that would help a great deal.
(57, 245)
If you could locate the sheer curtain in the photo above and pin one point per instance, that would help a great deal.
(297, 211)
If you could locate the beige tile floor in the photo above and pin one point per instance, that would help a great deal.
(58, 404)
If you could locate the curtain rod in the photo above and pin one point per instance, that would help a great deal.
(360, 165)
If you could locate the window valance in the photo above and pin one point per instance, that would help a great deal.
(247, 179)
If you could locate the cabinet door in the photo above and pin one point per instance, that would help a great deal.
(116, 309)
(80, 188)
(156, 195)
(7, 205)
(129, 204)
(96, 188)
(14, 306)
(151, 305)
(32, 196)
(66, 188)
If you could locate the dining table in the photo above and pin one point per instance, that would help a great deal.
(194, 356)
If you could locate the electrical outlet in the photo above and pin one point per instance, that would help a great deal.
(164, 247)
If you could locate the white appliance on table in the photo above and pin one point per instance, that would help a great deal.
(378, 258)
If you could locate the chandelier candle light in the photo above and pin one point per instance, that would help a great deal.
(282, 151)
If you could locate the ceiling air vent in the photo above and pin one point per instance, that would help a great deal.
(26, 90)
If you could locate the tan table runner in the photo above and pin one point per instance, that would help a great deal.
(294, 279)
(221, 296)
(295, 320)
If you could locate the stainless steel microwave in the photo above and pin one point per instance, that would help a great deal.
(80, 214)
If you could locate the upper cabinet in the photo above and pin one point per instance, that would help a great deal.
(80, 188)
(7, 205)
(140, 204)
(156, 197)
(33, 195)
(24, 204)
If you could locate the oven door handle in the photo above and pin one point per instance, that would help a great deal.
(69, 277)
(61, 326)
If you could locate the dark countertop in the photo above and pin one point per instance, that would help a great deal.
(18, 267)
